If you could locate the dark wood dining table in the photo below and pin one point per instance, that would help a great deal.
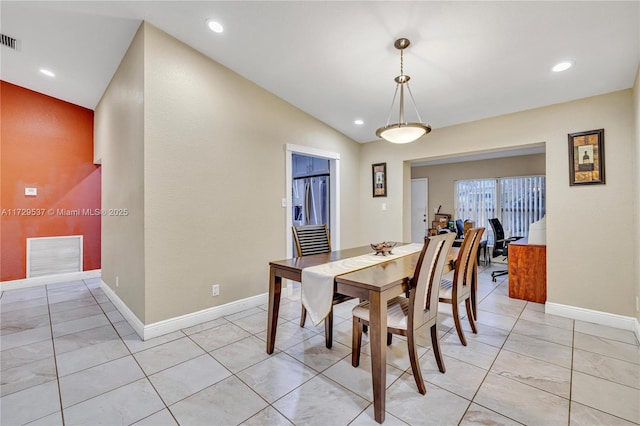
(377, 284)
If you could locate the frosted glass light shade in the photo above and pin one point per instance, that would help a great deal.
(403, 133)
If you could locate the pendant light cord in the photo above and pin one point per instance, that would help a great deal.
(393, 101)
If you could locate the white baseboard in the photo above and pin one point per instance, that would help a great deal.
(597, 317)
(170, 325)
(178, 323)
(128, 315)
(49, 279)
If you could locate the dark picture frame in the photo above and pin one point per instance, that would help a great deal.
(586, 158)
(379, 179)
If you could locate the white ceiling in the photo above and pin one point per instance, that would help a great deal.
(336, 60)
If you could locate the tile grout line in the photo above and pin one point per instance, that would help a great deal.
(494, 360)
(130, 354)
(573, 339)
(495, 291)
(55, 358)
(571, 368)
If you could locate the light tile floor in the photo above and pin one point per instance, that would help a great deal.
(68, 357)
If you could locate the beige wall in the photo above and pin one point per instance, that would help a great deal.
(442, 176)
(119, 146)
(589, 265)
(214, 177)
(190, 148)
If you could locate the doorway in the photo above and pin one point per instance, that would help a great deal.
(419, 209)
(333, 184)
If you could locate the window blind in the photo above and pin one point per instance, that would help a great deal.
(516, 201)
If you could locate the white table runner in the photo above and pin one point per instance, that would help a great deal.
(317, 281)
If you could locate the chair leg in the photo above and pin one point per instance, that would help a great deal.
(474, 287)
(356, 342)
(474, 305)
(456, 320)
(328, 330)
(303, 316)
(415, 366)
(365, 328)
(471, 315)
(495, 274)
(435, 344)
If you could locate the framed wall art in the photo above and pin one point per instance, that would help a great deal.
(586, 158)
(379, 176)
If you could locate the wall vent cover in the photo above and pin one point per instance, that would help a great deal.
(54, 255)
(8, 41)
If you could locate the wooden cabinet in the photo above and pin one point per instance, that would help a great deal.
(528, 271)
(309, 166)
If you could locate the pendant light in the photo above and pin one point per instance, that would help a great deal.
(402, 132)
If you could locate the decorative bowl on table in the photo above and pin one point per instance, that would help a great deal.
(384, 247)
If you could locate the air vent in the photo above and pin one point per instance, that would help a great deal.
(10, 42)
(54, 255)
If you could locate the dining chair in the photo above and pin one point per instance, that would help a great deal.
(462, 287)
(314, 239)
(405, 315)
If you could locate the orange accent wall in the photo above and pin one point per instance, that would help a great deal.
(47, 144)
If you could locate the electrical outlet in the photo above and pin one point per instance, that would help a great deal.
(117, 283)
(215, 290)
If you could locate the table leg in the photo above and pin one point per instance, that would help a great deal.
(275, 290)
(377, 334)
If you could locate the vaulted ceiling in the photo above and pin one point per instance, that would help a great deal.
(336, 60)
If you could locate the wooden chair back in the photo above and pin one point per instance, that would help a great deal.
(465, 263)
(423, 298)
(311, 239)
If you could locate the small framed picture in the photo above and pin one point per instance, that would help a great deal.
(586, 158)
(379, 174)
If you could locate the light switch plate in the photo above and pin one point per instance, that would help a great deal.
(31, 191)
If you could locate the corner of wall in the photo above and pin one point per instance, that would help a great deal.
(119, 138)
(636, 192)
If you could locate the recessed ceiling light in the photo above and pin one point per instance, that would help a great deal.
(47, 72)
(214, 26)
(562, 66)
(358, 122)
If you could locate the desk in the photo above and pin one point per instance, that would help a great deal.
(377, 284)
(527, 271)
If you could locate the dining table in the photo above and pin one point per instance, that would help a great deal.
(377, 284)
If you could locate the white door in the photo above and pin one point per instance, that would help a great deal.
(419, 209)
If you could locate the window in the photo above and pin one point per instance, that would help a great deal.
(516, 201)
(522, 202)
(475, 200)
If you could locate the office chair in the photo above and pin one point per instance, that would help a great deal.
(500, 245)
(459, 229)
(459, 233)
